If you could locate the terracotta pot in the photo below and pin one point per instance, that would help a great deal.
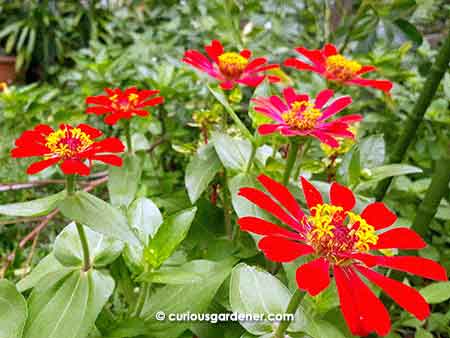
(7, 69)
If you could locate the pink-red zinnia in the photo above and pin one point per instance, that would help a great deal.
(296, 115)
(123, 104)
(230, 68)
(335, 67)
(70, 147)
(340, 241)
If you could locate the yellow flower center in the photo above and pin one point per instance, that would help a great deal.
(341, 68)
(302, 115)
(232, 65)
(335, 233)
(66, 143)
(124, 103)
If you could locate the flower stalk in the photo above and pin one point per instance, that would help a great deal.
(292, 156)
(437, 190)
(70, 186)
(128, 136)
(411, 126)
(291, 309)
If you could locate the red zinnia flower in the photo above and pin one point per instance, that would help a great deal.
(340, 240)
(68, 146)
(118, 104)
(230, 67)
(335, 67)
(297, 115)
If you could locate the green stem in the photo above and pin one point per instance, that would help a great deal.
(353, 23)
(128, 136)
(437, 190)
(235, 29)
(226, 207)
(291, 309)
(143, 293)
(292, 156)
(409, 129)
(252, 157)
(70, 186)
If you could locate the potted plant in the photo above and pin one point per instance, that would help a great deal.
(7, 67)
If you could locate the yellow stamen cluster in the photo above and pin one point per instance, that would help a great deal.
(114, 97)
(68, 142)
(302, 115)
(342, 68)
(323, 219)
(335, 232)
(133, 98)
(232, 64)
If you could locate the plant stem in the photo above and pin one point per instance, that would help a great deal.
(411, 126)
(143, 293)
(353, 23)
(252, 157)
(70, 186)
(292, 156)
(291, 309)
(437, 190)
(128, 136)
(226, 207)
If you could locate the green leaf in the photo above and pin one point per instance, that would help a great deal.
(172, 275)
(201, 170)
(170, 234)
(103, 250)
(422, 333)
(48, 265)
(233, 153)
(372, 151)
(255, 291)
(317, 328)
(409, 30)
(41, 206)
(13, 311)
(389, 170)
(124, 181)
(436, 293)
(67, 307)
(350, 169)
(194, 297)
(145, 217)
(100, 216)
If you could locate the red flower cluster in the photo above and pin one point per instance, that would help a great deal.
(297, 115)
(230, 67)
(340, 239)
(335, 67)
(118, 104)
(70, 147)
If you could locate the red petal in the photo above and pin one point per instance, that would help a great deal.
(312, 195)
(101, 100)
(342, 196)
(265, 129)
(407, 297)
(262, 227)
(251, 80)
(323, 97)
(300, 65)
(325, 138)
(72, 167)
(336, 106)
(152, 102)
(214, 50)
(282, 195)
(419, 266)
(41, 165)
(383, 85)
(98, 110)
(330, 49)
(314, 277)
(374, 315)
(29, 151)
(314, 55)
(265, 202)
(400, 238)
(91, 131)
(227, 85)
(246, 53)
(280, 249)
(109, 159)
(377, 215)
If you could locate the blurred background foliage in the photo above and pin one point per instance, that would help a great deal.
(67, 50)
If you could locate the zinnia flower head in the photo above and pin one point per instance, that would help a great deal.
(341, 240)
(335, 67)
(119, 104)
(230, 68)
(295, 114)
(68, 146)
